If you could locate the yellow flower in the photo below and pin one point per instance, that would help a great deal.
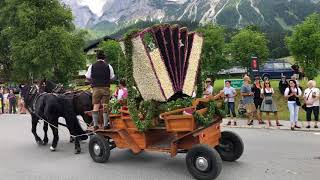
(143, 73)
(162, 73)
(193, 66)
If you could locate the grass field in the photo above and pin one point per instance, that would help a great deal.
(279, 99)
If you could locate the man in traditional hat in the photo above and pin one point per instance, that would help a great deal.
(208, 89)
(100, 75)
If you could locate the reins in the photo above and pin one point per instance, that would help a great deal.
(34, 101)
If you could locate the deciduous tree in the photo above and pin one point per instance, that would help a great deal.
(304, 45)
(248, 43)
(42, 40)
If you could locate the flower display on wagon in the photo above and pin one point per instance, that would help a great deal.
(195, 55)
(163, 65)
(167, 64)
(143, 73)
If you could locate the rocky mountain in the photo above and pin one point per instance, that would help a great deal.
(116, 14)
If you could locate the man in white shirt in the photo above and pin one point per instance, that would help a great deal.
(311, 98)
(100, 74)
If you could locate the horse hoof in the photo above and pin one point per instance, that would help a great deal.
(52, 148)
(40, 142)
(77, 151)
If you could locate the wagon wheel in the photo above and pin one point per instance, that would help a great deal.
(231, 146)
(203, 162)
(99, 149)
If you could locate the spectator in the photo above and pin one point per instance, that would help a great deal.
(5, 100)
(292, 93)
(311, 99)
(295, 68)
(256, 89)
(268, 104)
(283, 84)
(247, 100)
(12, 102)
(230, 93)
(1, 100)
(208, 89)
(122, 92)
(22, 109)
(294, 77)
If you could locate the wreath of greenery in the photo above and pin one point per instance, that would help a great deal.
(213, 110)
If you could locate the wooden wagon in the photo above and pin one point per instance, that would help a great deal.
(163, 64)
(205, 146)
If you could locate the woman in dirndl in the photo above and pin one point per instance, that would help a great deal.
(268, 104)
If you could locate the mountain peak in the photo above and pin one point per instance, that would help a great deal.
(117, 14)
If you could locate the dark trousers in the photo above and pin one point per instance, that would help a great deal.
(12, 108)
(231, 109)
(315, 110)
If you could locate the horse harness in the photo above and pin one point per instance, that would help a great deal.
(35, 91)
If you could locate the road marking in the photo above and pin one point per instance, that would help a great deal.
(316, 133)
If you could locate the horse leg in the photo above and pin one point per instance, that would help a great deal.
(71, 139)
(87, 119)
(77, 148)
(45, 130)
(55, 134)
(34, 121)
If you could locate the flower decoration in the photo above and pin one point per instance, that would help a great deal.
(164, 58)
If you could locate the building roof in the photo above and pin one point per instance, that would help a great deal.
(94, 43)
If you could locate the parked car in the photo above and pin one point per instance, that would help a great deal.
(274, 69)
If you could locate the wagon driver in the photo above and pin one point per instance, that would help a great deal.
(100, 75)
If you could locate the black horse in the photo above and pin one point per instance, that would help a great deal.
(82, 100)
(50, 107)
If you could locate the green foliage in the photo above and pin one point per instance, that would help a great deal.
(248, 43)
(133, 93)
(42, 40)
(177, 104)
(212, 58)
(304, 45)
(115, 56)
(206, 119)
(115, 106)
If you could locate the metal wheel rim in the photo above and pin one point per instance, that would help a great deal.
(227, 146)
(202, 164)
(97, 149)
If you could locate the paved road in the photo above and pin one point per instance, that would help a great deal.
(269, 154)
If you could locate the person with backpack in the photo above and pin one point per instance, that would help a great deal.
(311, 99)
(292, 93)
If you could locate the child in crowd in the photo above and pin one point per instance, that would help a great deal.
(230, 93)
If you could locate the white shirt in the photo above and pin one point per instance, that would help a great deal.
(5, 96)
(120, 94)
(267, 91)
(209, 90)
(230, 92)
(313, 95)
(88, 74)
(286, 93)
